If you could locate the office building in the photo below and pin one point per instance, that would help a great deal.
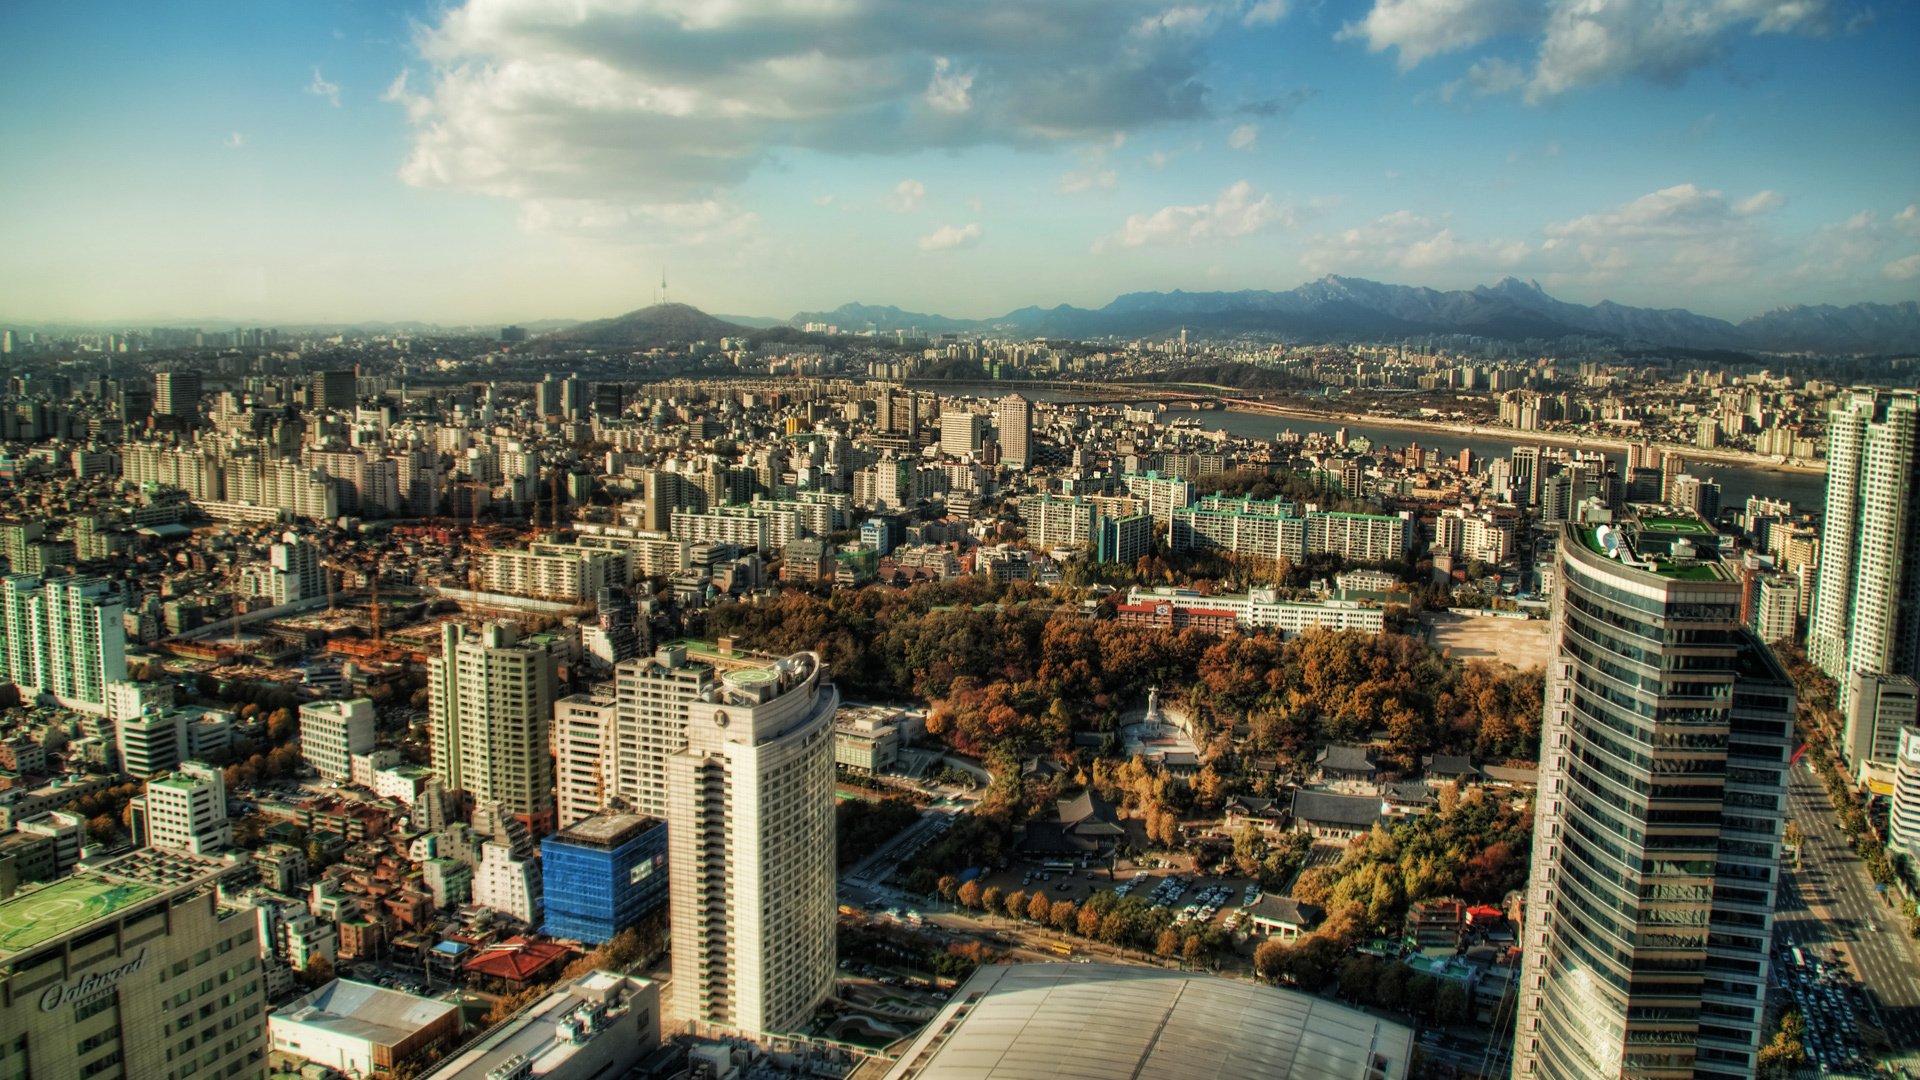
(491, 705)
(1525, 475)
(1667, 727)
(1878, 709)
(65, 641)
(1903, 820)
(335, 391)
(602, 875)
(600, 1025)
(332, 732)
(135, 968)
(1866, 609)
(1014, 417)
(185, 811)
(962, 434)
(360, 1029)
(750, 859)
(508, 883)
(176, 395)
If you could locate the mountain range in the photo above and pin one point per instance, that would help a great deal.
(1334, 308)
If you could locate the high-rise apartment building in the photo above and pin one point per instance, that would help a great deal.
(1866, 607)
(185, 811)
(491, 707)
(176, 395)
(1903, 820)
(1014, 416)
(134, 968)
(750, 849)
(64, 639)
(332, 732)
(295, 571)
(1656, 836)
(1526, 475)
(336, 391)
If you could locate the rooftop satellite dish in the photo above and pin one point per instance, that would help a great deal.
(1609, 541)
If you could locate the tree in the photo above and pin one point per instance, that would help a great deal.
(1089, 922)
(1039, 908)
(949, 885)
(990, 899)
(1450, 1004)
(1194, 949)
(1272, 959)
(1793, 837)
(1168, 945)
(1064, 916)
(1016, 904)
(102, 829)
(969, 895)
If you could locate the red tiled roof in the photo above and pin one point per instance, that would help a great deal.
(517, 959)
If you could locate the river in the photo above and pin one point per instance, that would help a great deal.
(1806, 490)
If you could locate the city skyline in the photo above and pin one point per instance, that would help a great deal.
(498, 162)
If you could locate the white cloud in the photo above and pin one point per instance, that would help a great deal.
(1486, 78)
(951, 237)
(1075, 182)
(1404, 240)
(823, 200)
(1683, 236)
(235, 140)
(320, 87)
(1242, 137)
(1577, 42)
(1759, 203)
(1423, 28)
(1265, 12)
(949, 91)
(1235, 213)
(906, 195)
(1908, 220)
(1906, 269)
(678, 101)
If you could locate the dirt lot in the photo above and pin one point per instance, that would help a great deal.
(1523, 643)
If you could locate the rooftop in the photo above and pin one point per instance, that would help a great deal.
(535, 1035)
(1095, 1021)
(607, 830)
(361, 1011)
(34, 916)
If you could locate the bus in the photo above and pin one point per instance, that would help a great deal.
(1062, 948)
(1057, 866)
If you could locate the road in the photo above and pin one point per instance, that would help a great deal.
(1830, 901)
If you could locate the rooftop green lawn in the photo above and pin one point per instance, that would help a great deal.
(1705, 571)
(44, 914)
(1691, 526)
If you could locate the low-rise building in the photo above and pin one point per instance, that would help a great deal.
(601, 1024)
(360, 1029)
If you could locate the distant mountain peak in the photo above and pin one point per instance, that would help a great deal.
(1338, 307)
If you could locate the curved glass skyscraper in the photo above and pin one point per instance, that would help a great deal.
(1656, 837)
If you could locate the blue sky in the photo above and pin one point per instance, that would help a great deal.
(503, 160)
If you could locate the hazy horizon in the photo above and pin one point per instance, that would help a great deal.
(515, 160)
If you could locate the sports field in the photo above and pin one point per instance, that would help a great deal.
(43, 914)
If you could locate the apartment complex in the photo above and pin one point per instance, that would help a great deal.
(65, 640)
(1866, 609)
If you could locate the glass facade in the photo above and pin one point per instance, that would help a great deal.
(1664, 751)
(603, 875)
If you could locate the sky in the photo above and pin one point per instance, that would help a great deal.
(494, 161)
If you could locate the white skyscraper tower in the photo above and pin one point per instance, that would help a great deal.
(491, 707)
(1014, 415)
(1865, 628)
(750, 849)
